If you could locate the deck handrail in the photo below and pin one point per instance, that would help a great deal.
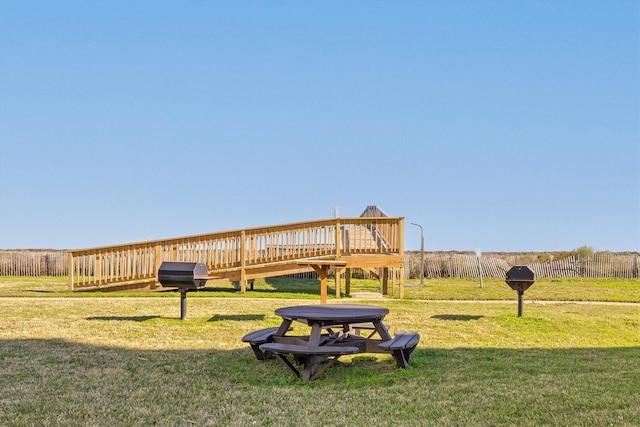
(110, 266)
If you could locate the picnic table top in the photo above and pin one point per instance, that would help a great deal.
(338, 313)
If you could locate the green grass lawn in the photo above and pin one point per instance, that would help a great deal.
(79, 359)
(562, 289)
(565, 289)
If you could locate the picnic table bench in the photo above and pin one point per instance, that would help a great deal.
(401, 346)
(335, 331)
(259, 337)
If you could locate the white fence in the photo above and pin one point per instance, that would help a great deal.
(436, 264)
(447, 264)
(33, 263)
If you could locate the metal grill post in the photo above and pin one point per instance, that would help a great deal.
(520, 302)
(183, 303)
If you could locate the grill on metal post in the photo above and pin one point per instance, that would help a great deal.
(186, 276)
(520, 278)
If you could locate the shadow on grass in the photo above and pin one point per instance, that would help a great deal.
(269, 285)
(123, 318)
(107, 385)
(217, 289)
(459, 317)
(98, 382)
(239, 365)
(292, 284)
(237, 317)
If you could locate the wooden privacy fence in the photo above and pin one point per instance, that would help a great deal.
(234, 254)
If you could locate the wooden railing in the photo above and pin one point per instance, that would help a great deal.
(236, 251)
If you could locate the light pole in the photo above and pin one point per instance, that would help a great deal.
(421, 254)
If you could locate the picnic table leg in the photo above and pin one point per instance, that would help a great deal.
(282, 358)
(307, 371)
(284, 327)
(316, 332)
(310, 373)
(382, 330)
(402, 357)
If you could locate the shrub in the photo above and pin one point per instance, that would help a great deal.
(583, 251)
(544, 257)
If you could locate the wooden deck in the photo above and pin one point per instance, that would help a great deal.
(242, 255)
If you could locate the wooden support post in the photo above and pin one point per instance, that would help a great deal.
(158, 263)
(97, 268)
(385, 280)
(337, 283)
(401, 269)
(347, 282)
(243, 273)
(338, 239)
(70, 267)
(322, 268)
(322, 272)
(393, 280)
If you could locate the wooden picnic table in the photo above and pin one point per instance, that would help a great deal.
(335, 331)
(333, 316)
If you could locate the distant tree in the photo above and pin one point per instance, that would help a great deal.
(583, 251)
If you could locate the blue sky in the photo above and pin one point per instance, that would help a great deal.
(499, 125)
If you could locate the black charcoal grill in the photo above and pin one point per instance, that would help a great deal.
(520, 278)
(185, 276)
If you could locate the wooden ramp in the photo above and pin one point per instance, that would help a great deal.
(368, 242)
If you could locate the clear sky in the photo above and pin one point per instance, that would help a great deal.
(499, 125)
